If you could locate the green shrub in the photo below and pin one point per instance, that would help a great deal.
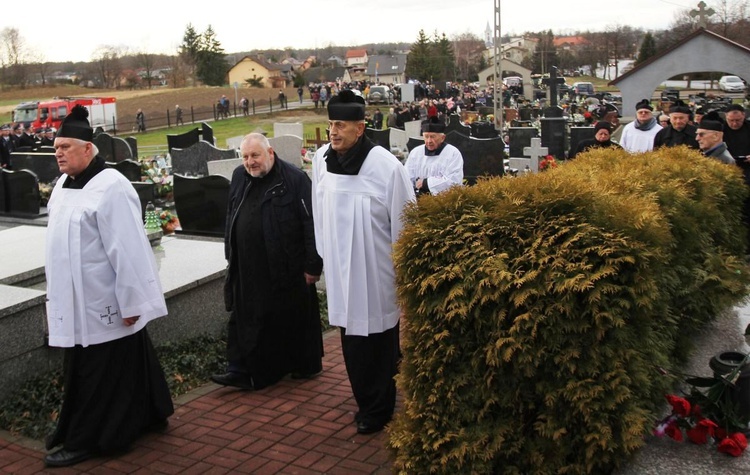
(538, 310)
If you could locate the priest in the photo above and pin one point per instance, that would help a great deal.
(102, 289)
(436, 165)
(359, 192)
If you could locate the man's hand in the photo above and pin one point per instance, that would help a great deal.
(130, 321)
(311, 279)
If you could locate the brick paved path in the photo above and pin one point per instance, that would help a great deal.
(294, 427)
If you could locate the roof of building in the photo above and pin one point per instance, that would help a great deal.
(356, 53)
(386, 64)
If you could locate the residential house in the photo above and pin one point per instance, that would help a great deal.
(386, 69)
(256, 67)
(570, 43)
(356, 58)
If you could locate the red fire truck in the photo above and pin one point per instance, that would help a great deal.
(102, 112)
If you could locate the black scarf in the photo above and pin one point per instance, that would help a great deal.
(437, 151)
(77, 183)
(351, 161)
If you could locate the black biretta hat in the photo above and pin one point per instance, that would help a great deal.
(433, 125)
(346, 106)
(679, 106)
(711, 121)
(644, 104)
(76, 125)
(603, 124)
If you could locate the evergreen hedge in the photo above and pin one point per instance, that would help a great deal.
(539, 311)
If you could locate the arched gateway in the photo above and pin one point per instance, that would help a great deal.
(700, 51)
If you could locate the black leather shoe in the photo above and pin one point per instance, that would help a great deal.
(236, 380)
(300, 375)
(365, 428)
(66, 458)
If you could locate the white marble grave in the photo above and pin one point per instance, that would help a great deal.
(413, 128)
(535, 152)
(398, 138)
(288, 148)
(224, 167)
(282, 128)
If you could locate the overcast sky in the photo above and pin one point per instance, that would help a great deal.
(64, 32)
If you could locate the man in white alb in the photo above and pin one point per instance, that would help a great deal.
(436, 165)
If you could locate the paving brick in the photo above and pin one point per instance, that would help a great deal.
(272, 467)
(227, 458)
(307, 459)
(252, 465)
(325, 464)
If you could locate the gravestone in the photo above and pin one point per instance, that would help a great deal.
(483, 130)
(554, 129)
(224, 168)
(288, 148)
(133, 142)
(129, 168)
(183, 141)
(379, 137)
(146, 192)
(577, 135)
(192, 160)
(414, 142)
(524, 114)
(454, 123)
(113, 149)
(208, 133)
(201, 204)
(235, 142)
(520, 137)
(397, 138)
(295, 128)
(44, 165)
(413, 128)
(535, 152)
(46, 149)
(21, 192)
(482, 157)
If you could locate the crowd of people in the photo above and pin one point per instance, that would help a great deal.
(283, 228)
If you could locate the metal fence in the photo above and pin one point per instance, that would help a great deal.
(195, 114)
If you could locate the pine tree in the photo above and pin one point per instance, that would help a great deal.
(648, 49)
(418, 64)
(545, 54)
(211, 66)
(445, 59)
(188, 51)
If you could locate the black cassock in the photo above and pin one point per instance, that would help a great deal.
(272, 331)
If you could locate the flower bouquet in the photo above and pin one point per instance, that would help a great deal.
(169, 222)
(709, 413)
(547, 163)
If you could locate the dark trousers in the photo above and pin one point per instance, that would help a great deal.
(371, 363)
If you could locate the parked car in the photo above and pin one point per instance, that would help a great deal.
(583, 88)
(380, 94)
(731, 84)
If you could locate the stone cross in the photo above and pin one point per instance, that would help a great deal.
(535, 152)
(702, 13)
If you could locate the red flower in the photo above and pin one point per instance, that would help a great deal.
(720, 433)
(733, 445)
(673, 431)
(700, 432)
(680, 406)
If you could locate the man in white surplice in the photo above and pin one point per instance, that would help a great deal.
(434, 166)
(359, 192)
(102, 289)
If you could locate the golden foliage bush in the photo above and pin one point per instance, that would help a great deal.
(539, 309)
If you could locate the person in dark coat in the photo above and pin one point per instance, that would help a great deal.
(274, 324)
(602, 134)
(679, 131)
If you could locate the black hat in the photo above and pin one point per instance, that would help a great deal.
(76, 125)
(433, 125)
(603, 124)
(700, 111)
(17, 126)
(346, 106)
(711, 121)
(644, 104)
(735, 107)
(679, 107)
(5, 127)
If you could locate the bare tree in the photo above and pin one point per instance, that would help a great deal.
(179, 71)
(107, 63)
(13, 60)
(468, 49)
(147, 62)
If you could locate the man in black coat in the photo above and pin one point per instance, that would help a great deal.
(679, 131)
(274, 324)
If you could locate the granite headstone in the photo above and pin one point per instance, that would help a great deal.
(44, 165)
(482, 156)
(201, 204)
(21, 192)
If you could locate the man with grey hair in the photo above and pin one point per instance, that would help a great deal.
(102, 289)
(274, 324)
